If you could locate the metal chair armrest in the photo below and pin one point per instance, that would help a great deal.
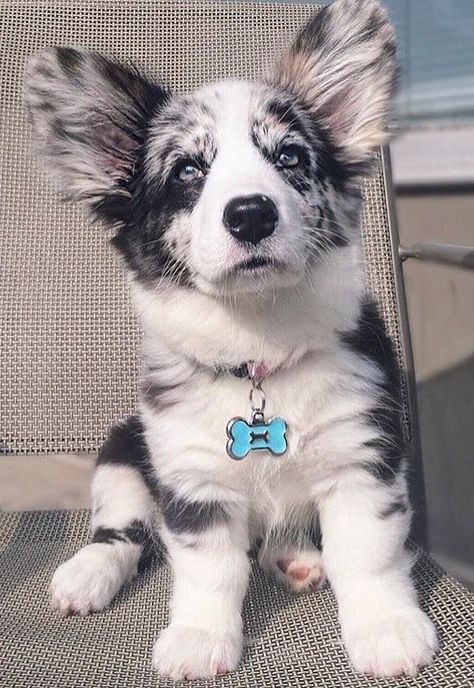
(449, 254)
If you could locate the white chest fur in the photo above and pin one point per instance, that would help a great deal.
(318, 387)
(322, 398)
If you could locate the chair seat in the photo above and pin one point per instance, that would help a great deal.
(291, 640)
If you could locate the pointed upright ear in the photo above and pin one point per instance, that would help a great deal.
(342, 67)
(89, 118)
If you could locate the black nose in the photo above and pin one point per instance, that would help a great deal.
(250, 218)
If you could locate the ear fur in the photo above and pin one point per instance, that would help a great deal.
(89, 117)
(342, 67)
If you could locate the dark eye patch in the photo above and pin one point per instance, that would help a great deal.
(299, 175)
(200, 161)
(183, 131)
(172, 159)
(142, 240)
(282, 120)
(285, 112)
(271, 140)
(279, 125)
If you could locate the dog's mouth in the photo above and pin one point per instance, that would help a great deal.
(261, 267)
(255, 272)
(255, 263)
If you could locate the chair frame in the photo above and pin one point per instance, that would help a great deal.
(434, 252)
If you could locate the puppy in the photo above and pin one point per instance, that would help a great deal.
(236, 210)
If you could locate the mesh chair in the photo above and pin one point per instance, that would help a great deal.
(68, 370)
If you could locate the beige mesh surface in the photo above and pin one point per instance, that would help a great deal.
(291, 641)
(68, 339)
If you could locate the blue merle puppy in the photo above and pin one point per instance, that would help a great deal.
(236, 209)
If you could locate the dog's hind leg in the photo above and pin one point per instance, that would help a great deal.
(293, 560)
(122, 519)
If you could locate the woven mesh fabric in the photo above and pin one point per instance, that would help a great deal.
(291, 641)
(67, 335)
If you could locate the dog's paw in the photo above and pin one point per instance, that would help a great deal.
(188, 653)
(88, 582)
(299, 570)
(399, 644)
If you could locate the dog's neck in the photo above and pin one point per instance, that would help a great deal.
(275, 328)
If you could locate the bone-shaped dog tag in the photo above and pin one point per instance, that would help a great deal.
(255, 436)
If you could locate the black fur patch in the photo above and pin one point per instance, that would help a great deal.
(334, 235)
(182, 516)
(315, 32)
(370, 339)
(126, 445)
(397, 506)
(317, 154)
(135, 533)
(70, 60)
(285, 111)
(108, 536)
(158, 196)
(295, 114)
(141, 237)
(157, 395)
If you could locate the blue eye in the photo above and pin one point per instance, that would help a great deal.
(288, 157)
(189, 172)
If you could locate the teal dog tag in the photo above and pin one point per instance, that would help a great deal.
(256, 436)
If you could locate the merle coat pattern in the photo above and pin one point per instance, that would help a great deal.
(236, 209)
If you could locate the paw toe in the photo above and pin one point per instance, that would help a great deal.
(187, 653)
(395, 646)
(86, 583)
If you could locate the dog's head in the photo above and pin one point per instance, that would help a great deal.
(237, 186)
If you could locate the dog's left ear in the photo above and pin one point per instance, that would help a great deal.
(342, 67)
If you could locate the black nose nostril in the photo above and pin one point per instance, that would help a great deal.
(251, 218)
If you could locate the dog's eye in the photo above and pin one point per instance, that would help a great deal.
(288, 157)
(188, 172)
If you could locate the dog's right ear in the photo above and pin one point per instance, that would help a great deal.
(89, 118)
(342, 67)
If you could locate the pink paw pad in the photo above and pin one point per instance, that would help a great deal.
(301, 575)
(297, 573)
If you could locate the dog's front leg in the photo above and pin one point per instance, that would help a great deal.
(365, 524)
(207, 545)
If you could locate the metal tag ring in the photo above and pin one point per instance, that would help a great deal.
(254, 405)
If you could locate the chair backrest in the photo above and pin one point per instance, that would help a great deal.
(68, 337)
